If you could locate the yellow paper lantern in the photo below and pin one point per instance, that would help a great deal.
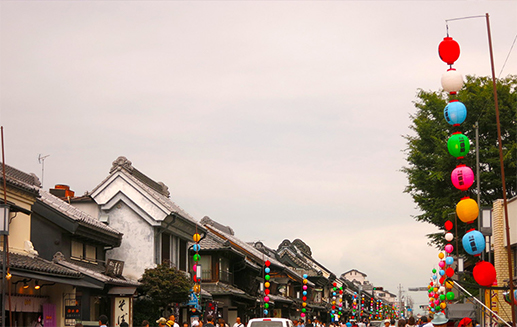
(267, 284)
(196, 288)
(449, 284)
(304, 304)
(467, 210)
(443, 305)
(441, 255)
(196, 237)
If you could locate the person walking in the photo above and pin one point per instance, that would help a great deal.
(440, 320)
(210, 321)
(238, 322)
(103, 321)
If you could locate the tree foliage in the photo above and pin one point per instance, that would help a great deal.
(164, 285)
(430, 164)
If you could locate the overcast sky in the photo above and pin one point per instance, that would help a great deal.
(280, 119)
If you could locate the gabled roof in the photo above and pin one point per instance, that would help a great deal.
(346, 272)
(20, 179)
(76, 214)
(301, 255)
(157, 191)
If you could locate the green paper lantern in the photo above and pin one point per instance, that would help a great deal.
(442, 297)
(304, 310)
(450, 296)
(266, 305)
(196, 257)
(434, 271)
(267, 277)
(458, 145)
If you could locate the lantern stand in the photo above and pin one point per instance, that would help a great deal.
(501, 160)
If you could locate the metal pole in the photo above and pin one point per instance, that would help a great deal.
(503, 181)
(484, 306)
(4, 254)
(478, 187)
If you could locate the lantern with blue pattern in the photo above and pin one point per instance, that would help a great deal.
(473, 242)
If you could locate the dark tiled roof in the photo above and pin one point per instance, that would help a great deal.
(37, 264)
(18, 178)
(76, 214)
(96, 272)
(213, 242)
(219, 288)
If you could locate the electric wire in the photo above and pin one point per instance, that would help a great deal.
(508, 56)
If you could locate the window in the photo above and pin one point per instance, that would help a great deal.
(206, 267)
(77, 250)
(91, 252)
(224, 270)
(85, 252)
(166, 248)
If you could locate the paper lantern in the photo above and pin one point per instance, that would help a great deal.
(462, 177)
(441, 256)
(196, 237)
(452, 82)
(449, 284)
(467, 210)
(266, 305)
(266, 312)
(484, 273)
(458, 145)
(196, 247)
(455, 112)
(441, 264)
(448, 225)
(449, 50)
(449, 248)
(267, 263)
(449, 261)
(266, 298)
(449, 237)
(196, 257)
(473, 242)
(449, 272)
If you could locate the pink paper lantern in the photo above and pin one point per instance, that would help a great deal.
(462, 177)
(449, 248)
(302, 314)
(266, 298)
(304, 287)
(441, 263)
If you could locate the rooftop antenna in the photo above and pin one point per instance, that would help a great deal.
(41, 160)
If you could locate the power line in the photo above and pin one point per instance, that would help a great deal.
(508, 56)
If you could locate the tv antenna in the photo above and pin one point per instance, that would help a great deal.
(41, 160)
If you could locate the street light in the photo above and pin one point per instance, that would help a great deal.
(4, 219)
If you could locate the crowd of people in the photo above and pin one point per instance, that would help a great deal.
(439, 320)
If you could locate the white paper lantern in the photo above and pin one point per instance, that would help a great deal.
(442, 289)
(452, 81)
(449, 237)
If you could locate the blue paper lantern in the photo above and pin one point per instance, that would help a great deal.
(304, 292)
(455, 112)
(305, 276)
(266, 312)
(473, 242)
(449, 260)
(196, 247)
(267, 270)
(442, 272)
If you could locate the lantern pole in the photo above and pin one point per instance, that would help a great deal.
(501, 160)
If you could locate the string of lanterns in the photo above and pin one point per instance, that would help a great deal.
(354, 306)
(267, 277)
(196, 268)
(337, 302)
(462, 177)
(304, 295)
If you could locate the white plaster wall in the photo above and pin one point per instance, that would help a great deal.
(137, 248)
(90, 208)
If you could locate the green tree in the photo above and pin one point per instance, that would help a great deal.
(164, 285)
(430, 164)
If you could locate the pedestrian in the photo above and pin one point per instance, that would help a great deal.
(172, 321)
(238, 322)
(439, 320)
(195, 323)
(426, 322)
(411, 322)
(222, 323)
(161, 322)
(295, 323)
(145, 323)
(401, 323)
(392, 322)
(185, 324)
(309, 323)
(210, 321)
(465, 322)
(103, 321)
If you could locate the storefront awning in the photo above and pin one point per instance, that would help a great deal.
(56, 279)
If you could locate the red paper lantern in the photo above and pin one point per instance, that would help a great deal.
(448, 225)
(267, 263)
(449, 50)
(484, 273)
(449, 272)
(266, 291)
